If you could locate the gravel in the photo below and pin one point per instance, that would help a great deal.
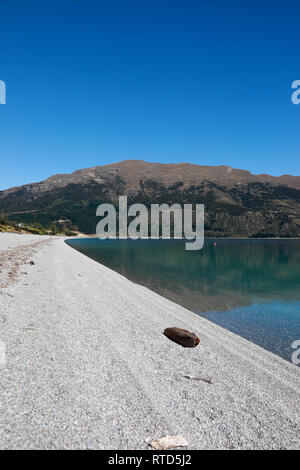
(88, 366)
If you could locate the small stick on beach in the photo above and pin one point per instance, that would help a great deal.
(193, 377)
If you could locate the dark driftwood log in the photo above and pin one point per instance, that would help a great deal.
(183, 337)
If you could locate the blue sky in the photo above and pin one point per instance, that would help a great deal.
(94, 82)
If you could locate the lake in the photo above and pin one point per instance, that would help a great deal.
(250, 287)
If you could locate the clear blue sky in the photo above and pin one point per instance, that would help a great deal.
(94, 82)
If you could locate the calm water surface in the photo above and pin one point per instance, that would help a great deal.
(251, 287)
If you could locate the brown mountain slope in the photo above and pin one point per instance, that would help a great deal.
(134, 171)
(237, 203)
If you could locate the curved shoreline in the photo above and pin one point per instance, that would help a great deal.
(88, 365)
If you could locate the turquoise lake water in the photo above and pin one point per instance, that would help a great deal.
(250, 287)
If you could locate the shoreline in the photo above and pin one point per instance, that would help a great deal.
(88, 365)
(83, 235)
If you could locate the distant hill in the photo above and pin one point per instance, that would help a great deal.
(237, 203)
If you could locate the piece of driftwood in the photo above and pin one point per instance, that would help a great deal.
(183, 337)
(194, 377)
(169, 442)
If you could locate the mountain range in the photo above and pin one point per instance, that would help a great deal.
(237, 203)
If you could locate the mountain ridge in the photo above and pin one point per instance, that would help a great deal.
(208, 170)
(237, 203)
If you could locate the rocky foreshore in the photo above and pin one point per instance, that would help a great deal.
(88, 366)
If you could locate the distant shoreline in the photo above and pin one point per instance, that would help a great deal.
(206, 238)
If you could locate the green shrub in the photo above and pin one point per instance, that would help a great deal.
(3, 218)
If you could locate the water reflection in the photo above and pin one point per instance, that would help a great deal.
(231, 274)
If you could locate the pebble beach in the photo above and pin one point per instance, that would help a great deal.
(87, 365)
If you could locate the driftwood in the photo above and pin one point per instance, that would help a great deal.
(169, 442)
(194, 377)
(183, 337)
